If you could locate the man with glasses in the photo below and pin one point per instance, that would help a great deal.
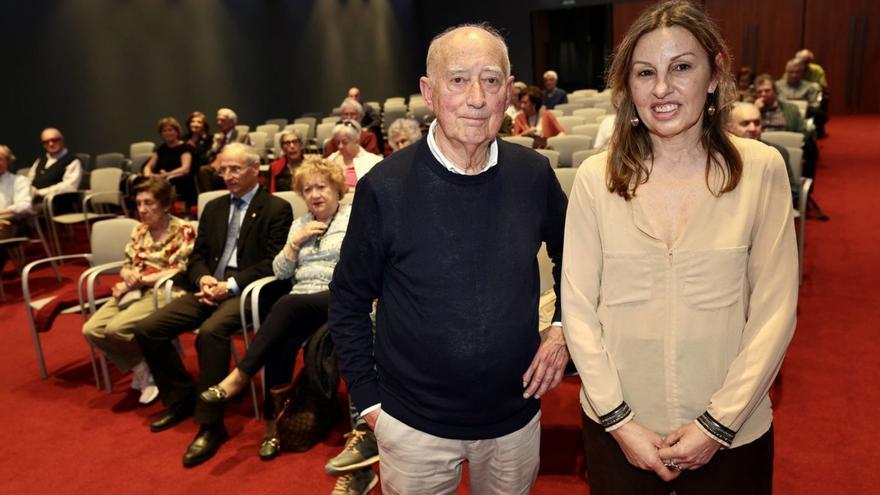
(58, 171)
(352, 110)
(239, 235)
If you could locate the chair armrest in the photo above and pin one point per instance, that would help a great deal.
(253, 290)
(25, 273)
(167, 283)
(90, 276)
(50, 200)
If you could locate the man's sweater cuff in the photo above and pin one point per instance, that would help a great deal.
(365, 395)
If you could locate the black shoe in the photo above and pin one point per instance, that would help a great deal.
(171, 417)
(269, 448)
(206, 443)
(214, 395)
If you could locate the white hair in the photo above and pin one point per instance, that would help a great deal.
(551, 74)
(251, 157)
(352, 103)
(407, 127)
(228, 114)
(6, 152)
(292, 132)
(350, 128)
(433, 48)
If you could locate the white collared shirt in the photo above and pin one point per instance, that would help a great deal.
(15, 193)
(233, 258)
(435, 150)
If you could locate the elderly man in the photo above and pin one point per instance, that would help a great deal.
(445, 235)
(15, 199)
(208, 178)
(58, 171)
(779, 115)
(814, 72)
(372, 121)
(352, 110)
(552, 95)
(745, 122)
(239, 235)
(795, 87)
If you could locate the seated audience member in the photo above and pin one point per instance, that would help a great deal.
(745, 89)
(308, 257)
(173, 161)
(745, 122)
(552, 94)
(281, 170)
(15, 199)
(160, 246)
(814, 72)
(208, 178)
(58, 171)
(780, 115)
(533, 120)
(350, 155)
(795, 87)
(402, 133)
(354, 111)
(361, 449)
(198, 137)
(371, 121)
(238, 236)
(513, 107)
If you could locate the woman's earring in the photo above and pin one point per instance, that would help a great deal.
(711, 110)
(634, 121)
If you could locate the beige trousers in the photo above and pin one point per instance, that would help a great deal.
(110, 329)
(414, 463)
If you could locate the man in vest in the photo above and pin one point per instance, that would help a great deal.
(58, 171)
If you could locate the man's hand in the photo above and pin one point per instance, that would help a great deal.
(548, 365)
(212, 291)
(759, 103)
(640, 445)
(372, 417)
(688, 447)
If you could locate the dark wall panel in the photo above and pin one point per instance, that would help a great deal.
(104, 71)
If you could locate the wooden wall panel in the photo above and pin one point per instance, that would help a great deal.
(623, 14)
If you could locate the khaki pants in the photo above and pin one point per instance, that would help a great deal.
(110, 329)
(413, 462)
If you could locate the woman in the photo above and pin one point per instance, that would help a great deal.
(354, 160)
(534, 121)
(198, 137)
(308, 257)
(402, 133)
(160, 245)
(281, 170)
(679, 274)
(173, 160)
(745, 88)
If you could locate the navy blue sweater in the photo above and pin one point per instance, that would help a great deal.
(452, 260)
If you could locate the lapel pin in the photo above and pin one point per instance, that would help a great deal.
(254, 215)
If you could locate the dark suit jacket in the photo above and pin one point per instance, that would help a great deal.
(263, 234)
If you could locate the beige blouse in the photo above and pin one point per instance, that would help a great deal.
(692, 333)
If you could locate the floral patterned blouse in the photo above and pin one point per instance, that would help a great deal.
(172, 251)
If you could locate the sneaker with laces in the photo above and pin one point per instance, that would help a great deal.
(356, 483)
(360, 451)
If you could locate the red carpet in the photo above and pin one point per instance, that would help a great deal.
(64, 436)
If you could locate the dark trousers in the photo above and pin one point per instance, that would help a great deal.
(747, 469)
(216, 325)
(208, 180)
(292, 319)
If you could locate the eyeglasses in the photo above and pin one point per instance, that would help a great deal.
(290, 142)
(229, 169)
(52, 140)
(349, 123)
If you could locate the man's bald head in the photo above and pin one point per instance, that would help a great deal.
(459, 36)
(805, 55)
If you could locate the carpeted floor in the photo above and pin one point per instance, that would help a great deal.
(62, 435)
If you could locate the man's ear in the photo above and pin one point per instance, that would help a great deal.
(427, 91)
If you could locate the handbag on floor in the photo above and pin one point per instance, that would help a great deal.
(306, 409)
